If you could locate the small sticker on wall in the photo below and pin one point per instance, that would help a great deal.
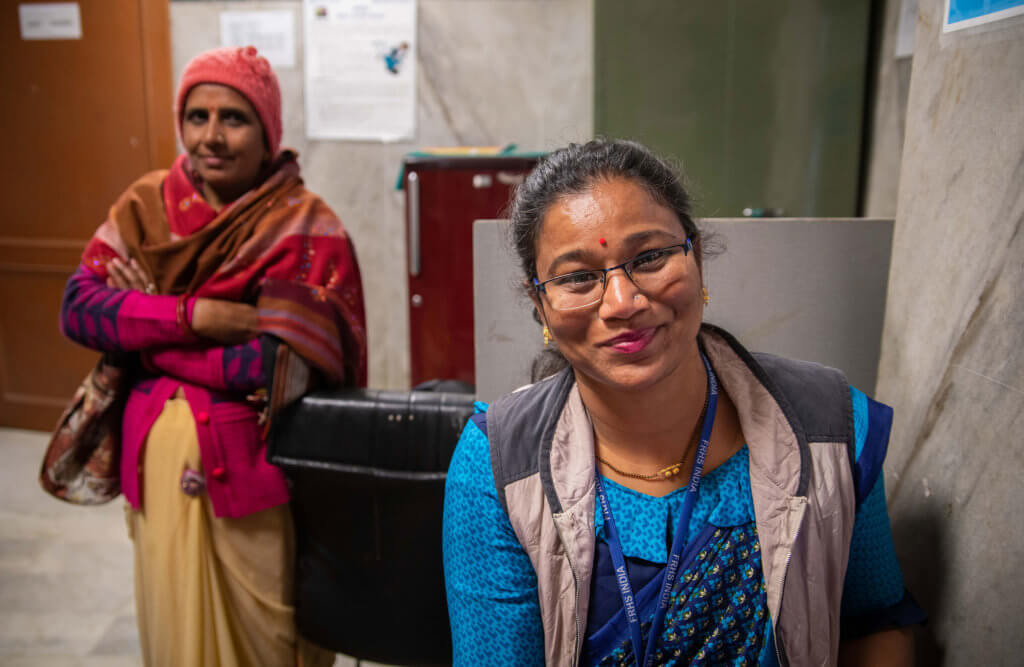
(50, 20)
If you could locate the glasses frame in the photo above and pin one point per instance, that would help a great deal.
(541, 287)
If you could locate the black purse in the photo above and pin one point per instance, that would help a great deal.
(368, 470)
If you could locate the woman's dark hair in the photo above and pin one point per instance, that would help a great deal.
(573, 170)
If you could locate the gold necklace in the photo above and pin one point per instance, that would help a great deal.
(666, 473)
(669, 471)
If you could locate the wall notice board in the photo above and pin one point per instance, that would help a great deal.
(360, 59)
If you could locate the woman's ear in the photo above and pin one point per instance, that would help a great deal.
(538, 315)
(538, 306)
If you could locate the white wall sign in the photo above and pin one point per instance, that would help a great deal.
(360, 69)
(271, 32)
(50, 20)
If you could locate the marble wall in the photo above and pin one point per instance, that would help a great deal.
(887, 122)
(489, 72)
(951, 353)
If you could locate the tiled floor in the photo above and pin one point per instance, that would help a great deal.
(65, 572)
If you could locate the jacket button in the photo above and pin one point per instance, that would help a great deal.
(218, 473)
(203, 418)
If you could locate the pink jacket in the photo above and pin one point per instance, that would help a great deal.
(215, 380)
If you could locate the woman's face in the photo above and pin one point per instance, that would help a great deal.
(223, 136)
(630, 339)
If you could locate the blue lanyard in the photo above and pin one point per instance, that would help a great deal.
(678, 540)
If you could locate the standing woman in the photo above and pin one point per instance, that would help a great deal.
(668, 497)
(205, 273)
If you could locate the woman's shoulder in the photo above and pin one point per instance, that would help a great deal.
(471, 461)
(540, 397)
(306, 212)
(147, 189)
(872, 424)
(289, 194)
(479, 418)
(816, 395)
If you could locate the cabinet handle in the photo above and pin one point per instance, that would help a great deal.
(759, 212)
(511, 177)
(414, 223)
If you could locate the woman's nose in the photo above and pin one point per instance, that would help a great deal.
(619, 300)
(213, 133)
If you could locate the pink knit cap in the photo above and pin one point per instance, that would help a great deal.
(245, 70)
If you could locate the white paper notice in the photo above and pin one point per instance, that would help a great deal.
(360, 69)
(271, 32)
(906, 29)
(50, 20)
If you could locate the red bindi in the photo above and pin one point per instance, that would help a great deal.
(602, 241)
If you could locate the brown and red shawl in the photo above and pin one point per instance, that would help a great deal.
(279, 247)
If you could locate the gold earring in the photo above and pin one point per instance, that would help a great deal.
(547, 336)
(707, 297)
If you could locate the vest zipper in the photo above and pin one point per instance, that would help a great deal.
(576, 601)
(782, 587)
(575, 614)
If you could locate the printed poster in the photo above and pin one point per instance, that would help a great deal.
(271, 32)
(360, 69)
(962, 14)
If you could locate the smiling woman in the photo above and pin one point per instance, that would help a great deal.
(199, 274)
(648, 239)
(225, 141)
(668, 498)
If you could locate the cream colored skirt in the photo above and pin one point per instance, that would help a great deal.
(209, 591)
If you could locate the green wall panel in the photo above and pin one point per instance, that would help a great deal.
(761, 102)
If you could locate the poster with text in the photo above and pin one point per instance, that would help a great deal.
(271, 32)
(360, 69)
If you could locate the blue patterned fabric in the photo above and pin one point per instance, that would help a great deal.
(860, 419)
(492, 587)
(874, 580)
(718, 611)
(646, 523)
(873, 577)
(875, 420)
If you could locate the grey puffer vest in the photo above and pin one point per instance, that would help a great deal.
(797, 418)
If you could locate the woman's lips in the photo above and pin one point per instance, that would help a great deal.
(633, 341)
(213, 161)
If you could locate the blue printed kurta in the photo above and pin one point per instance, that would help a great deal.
(718, 614)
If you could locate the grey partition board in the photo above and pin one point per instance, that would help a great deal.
(810, 289)
(805, 288)
(506, 336)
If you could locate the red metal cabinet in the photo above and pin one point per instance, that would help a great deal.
(443, 196)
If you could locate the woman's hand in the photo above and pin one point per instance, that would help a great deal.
(128, 275)
(227, 322)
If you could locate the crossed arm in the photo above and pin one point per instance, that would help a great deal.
(119, 313)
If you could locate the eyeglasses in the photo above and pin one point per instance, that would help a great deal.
(649, 271)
